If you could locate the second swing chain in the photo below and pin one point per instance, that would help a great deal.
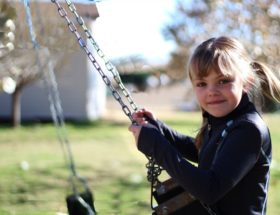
(153, 169)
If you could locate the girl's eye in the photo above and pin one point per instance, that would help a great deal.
(224, 81)
(200, 84)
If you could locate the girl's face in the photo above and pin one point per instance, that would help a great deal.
(218, 94)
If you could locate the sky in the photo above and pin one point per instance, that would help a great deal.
(133, 27)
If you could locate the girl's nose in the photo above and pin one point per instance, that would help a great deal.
(212, 90)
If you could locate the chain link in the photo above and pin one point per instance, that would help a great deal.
(72, 27)
(109, 66)
(153, 170)
(55, 106)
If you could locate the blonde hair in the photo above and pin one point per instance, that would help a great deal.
(228, 56)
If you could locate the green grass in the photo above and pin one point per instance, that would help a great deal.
(105, 154)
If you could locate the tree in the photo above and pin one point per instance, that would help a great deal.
(22, 63)
(255, 23)
(21, 67)
(185, 29)
(7, 28)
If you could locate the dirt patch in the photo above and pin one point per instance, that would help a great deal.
(169, 97)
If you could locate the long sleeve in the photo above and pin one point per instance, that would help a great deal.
(183, 143)
(236, 158)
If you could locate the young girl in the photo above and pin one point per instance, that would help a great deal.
(233, 146)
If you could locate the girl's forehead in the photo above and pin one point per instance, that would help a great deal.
(213, 74)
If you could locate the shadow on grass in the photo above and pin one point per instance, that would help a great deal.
(114, 194)
(72, 123)
(123, 196)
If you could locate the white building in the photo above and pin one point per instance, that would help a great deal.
(82, 91)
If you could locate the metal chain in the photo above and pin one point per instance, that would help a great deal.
(56, 110)
(72, 27)
(109, 66)
(54, 99)
(154, 170)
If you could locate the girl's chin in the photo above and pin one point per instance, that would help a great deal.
(216, 113)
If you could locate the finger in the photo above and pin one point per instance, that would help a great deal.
(134, 115)
(137, 114)
(130, 128)
(133, 128)
(144, 122)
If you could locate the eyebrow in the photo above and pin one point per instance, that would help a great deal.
(202, 78)
(222, 76)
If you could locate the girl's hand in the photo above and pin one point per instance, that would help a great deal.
(140, 119)
(135, 129)
(140, 116)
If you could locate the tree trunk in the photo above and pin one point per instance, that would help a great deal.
(16, 108)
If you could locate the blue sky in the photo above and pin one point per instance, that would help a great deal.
(133, 27)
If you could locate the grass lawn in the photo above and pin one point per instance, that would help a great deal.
(34, 175)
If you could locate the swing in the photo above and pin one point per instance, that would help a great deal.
(77, 203)
(166, 202)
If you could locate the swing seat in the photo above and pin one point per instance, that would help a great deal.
(81, 204)
(172, 199)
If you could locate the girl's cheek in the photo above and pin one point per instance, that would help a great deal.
(199, 96)
(199, 92)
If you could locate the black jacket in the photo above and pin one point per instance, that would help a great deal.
(236, 181)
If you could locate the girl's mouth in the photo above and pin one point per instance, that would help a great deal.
(215, 102)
